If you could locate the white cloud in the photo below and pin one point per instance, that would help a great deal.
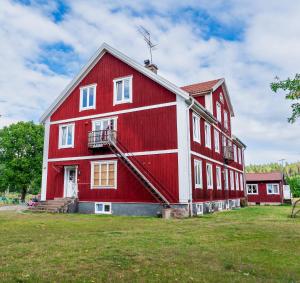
(268, 46)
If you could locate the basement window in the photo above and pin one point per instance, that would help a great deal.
(104, 174)
(122, 90)
(199, 207)
(103, 208)
(88, 97)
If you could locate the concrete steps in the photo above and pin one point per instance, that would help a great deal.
(57, 205)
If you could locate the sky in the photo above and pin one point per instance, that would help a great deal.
(44, 44)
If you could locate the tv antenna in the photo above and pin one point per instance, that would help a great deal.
(147, 37)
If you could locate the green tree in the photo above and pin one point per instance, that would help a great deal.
(292, 86)
(21, 151)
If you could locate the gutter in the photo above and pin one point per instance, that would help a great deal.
(239, 141)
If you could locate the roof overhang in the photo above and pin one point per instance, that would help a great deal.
(238, 141)
(93, 61)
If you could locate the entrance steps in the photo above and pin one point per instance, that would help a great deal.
(57, 205)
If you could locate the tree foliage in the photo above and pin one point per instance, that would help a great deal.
(292, 87)
(21, 151)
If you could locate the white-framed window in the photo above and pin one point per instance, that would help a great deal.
(226, 119)
(122, 90)
(217, 140)
(237, 181)
(234, 153)
(231, 180)
(209, 176)
(272, 189)
(220, 205)
(241, 182)
(252, 189)
(105, 124)
(198, 173)
(199, 207)
(196, 128)
(104, 174)
(224, 141)
(239, 156)
(219, 178)
(207, 135)
(219, 113)
(87, 97)
(208, 102)
(221, 97)
(102, 207)
(66, 135)
(226, 179)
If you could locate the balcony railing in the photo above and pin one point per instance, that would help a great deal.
(228, 152)
(98, 139)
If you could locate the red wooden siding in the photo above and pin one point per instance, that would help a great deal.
(262, 196)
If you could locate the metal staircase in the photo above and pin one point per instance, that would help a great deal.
(109, 138)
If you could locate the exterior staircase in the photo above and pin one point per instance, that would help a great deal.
(57, 205)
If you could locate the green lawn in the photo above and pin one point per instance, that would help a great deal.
(256, 244)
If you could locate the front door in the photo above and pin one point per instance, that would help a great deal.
(70, 182)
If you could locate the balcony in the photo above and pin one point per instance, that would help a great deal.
(228, 152)
(102, 138)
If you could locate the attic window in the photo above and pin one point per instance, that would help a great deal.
(221, 97)
(123, 90)
(88, 97)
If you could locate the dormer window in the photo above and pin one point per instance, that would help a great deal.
(123, 90)
(88, 97)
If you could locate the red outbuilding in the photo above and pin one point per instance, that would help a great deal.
(123, 140)
(265, 188)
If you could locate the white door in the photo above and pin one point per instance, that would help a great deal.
(286, 192)
(70, 182)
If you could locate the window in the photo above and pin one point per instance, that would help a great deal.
(224, 141)
(104, 174)
(272, 189)
(199, 207)
(207, 135)
(217, 141)
(88, 97)
(241, 182)
(240, 156)
(252, 189)
(196, 128)
(221, 97)
(66, 135)
(219, 179)
(209, 176)
(234, 153)
(208, 102)
(105, 124)
(220, 205)
(237, 182)
(103, 207)
(231, 180)
(219, 115)
(226, 179)
(123, 90)
(198, 173)
(226, 119)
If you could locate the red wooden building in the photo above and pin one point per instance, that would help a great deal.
(265, 188)
(123, 140)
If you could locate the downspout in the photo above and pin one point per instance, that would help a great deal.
(189, 157)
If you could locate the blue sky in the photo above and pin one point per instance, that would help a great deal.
(45, 43)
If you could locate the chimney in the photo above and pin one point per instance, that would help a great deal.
(151, 67)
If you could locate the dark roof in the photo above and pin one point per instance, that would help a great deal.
(200, 87)
(274, 176)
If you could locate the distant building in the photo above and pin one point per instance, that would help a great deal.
(265, 188)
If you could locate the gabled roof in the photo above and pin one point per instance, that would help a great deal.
(273, 176)
(203, 88)
(93, 61)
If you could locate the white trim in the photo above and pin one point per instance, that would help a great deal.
(219, 112)
(219, 177)
(94, 86)
(199, 208)
(115, 118)
(65, 178)
(256, 185)
(211, 186)
(273, 184)
(216, 140)
(215, 161)
(232, 180)
(197, 126)
(122, 79)
(107, 162)
(103, 212)
(115, 113)
(138, 153)
(93, 61)
(198, 165)
(60, 145)
(207, 138)
(45, 159)
(237, 181)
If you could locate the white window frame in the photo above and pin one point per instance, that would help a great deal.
(103, 211)
(209, 181)
(234, 153)
(219, 112)
(219, 177)
(273, 184)
(196, 128)
(241, 182)
(226, 179)
(198, 173)
(220, 205)
(60, 145)
(88, 87)
(237, 181)
(231, 180)
(217, 140)
(239, 155)
(226, 126)
(105, 119)
(224, 141)
(199, 208)
(207, 131)
(104, 187)
(251, 188)
(127, 100)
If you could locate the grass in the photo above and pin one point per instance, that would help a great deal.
(255, 244)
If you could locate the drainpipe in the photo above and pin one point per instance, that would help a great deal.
(189, 157)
